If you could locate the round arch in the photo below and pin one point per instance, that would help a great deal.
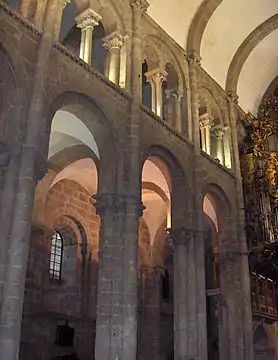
(168, 56)
(209, 94)
(175, 176)
(245, 49)
(101, 129)
(220, 202)
(198, 25)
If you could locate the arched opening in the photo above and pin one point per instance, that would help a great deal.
(214, 137)
(154, 267)
(146, 87)
(172, 98)
(75, 36)
(212, 276)
(67, 245)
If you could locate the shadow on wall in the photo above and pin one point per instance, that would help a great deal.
(14, 4)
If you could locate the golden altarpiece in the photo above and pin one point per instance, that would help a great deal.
(259, 164)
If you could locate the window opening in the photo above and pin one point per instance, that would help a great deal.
(56, 256)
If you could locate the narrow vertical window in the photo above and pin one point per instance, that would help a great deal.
(56, 256)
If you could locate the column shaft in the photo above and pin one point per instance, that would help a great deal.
(88, 45)
(245, 277)
(158, 86)
(178, 120)
(115, 64)
(86, 21)
(153, 88)
(199, 342)
(203, 137)
(180, 302)
(19, 237)
(82, 44)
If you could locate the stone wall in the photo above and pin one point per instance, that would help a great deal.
(48, 302)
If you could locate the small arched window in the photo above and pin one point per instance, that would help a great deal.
(56, 255)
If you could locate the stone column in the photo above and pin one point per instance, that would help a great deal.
(228, 257)
(113, 44)
(227, 147)
(86, 21)
(155, 78)
(173, 116)
(31, 156)
(218, 133)
(116, 328)
(178, 120)
(169, 108)
(189, 295)
(245, 277)
(197, 221)
(206, 123)
(60, 9)
(150, 312)
(193, 62)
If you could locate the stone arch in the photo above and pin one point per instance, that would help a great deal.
(208, 98)
(101, 129)
(165, 55)
(198, 25)
(176, 180)
(220, 202)
(245, 49)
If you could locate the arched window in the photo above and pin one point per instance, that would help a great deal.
(56, 255)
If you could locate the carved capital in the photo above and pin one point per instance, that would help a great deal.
(193, 59)
(89, 18)
(176, 95)
(156, 75)
(141, 5)
(113, 41)
(180, 236)
(117, 203)
(218, 132)
(232, 97)
(65, 3)
(206, 120)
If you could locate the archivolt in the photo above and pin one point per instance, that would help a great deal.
(198, 25)
(245, 49)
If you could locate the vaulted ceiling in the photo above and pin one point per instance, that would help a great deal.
(236, 39)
